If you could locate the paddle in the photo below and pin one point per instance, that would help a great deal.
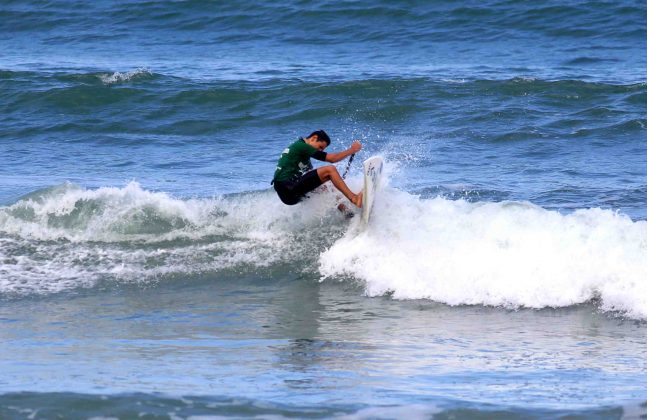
(348, 166)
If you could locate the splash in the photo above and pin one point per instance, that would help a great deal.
(510, 254)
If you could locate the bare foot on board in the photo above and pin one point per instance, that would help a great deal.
(358, 199)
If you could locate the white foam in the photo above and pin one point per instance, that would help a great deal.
(118, 77)
(501, 254)
(507, 254)
(67, 236)
(132, 214)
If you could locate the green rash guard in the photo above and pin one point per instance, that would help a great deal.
(295, 160)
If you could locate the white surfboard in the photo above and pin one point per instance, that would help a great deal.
(372, 176)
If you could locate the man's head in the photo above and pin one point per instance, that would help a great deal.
(318, 139)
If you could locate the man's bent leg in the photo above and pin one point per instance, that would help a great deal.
(329, 173)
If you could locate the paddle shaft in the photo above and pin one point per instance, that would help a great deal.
(348, 166)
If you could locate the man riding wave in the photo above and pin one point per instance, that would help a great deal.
(294, 177)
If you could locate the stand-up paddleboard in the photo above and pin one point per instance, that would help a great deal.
(372, 175)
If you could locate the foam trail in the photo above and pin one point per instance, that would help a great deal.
(509, 254)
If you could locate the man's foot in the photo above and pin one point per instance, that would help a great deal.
(357, 200)
(348, 214)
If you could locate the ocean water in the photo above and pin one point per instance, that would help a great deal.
(147, 268)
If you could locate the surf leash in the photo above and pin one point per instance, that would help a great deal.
(348, 166)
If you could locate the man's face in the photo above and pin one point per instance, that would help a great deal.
(316, 143)
(321, 145)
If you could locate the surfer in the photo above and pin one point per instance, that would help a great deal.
(294, 176)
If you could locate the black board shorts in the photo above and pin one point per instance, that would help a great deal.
(293, 191)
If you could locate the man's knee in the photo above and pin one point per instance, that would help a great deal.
(327, 171)
(331, 169)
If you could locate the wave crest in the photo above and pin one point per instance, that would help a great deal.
(106, 214)
(118, 77)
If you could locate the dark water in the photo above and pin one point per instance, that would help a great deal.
(147, 267)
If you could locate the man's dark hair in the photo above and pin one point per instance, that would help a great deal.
(321, 135)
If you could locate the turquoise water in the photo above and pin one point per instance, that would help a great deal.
(146, 265)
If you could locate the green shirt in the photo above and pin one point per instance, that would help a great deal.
(294, 161)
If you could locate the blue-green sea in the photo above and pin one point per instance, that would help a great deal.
(149, 270)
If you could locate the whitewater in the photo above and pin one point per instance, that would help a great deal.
(507, 254)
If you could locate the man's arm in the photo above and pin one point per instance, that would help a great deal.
(336, 157)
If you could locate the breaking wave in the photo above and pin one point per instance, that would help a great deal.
(508, 254)
(67, 237)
